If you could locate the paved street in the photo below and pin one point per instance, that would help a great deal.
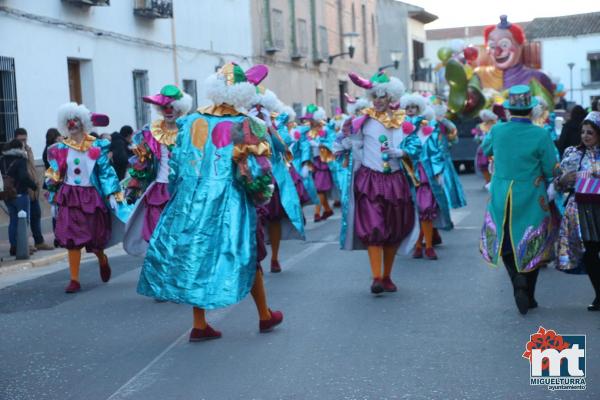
(451, 332)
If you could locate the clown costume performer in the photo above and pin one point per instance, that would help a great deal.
(519, 225)
(83, 189)
(147, 185)
(448, 136)
(203, 251)
(378, 210)
(320, 141)
(284, 211)
(339, 164)
(432, 203)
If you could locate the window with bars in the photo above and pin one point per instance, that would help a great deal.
(9, 116)
(302, 37)
(189, 86)
(278, 29)
(140, 89)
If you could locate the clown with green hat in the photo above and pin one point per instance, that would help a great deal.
(147, 183)
(204, 250)
(378, 209)
(520, 225)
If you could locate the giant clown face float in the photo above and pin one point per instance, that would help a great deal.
(504, 48)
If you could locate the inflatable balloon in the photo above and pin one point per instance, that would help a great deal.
(471, 53)
(444, 54)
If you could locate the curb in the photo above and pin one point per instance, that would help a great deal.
(34, 263)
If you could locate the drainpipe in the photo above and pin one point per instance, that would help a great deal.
(174, 44)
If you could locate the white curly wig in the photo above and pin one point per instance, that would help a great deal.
(412, 100)
(487, 115)
(238, 95)
(268, 100)
(319, 115)
(394, 89)
(289, 111)
(539, 109)
(74, 111)
(429, 113)
(440, 110)
(360, 104)
(184, 104)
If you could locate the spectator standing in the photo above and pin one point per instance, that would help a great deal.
(35, 211)
(570, 133)
(14, 165)
(120, 150)
(52, 136)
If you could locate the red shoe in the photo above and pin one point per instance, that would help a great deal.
(200, 335)
(388, 285)
(337, 204)
(377, 286)
(105, 270)
(430, 254)
(327, 214)
(73, 287)
(268, 325)
(437, 239)
(275, 267)
(418, 252)
(318, 218)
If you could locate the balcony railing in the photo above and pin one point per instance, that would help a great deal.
(590, 77)
(154, 8)
(89, 2)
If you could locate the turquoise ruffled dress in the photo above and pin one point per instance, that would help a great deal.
(203, 251)
(452, 185)
(302, 154)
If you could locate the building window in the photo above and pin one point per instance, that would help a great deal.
(373, 29)
(353, 18)
(364, 34)
(278, 30)
(594, 59)
(302, 37)
(323, 42)
(189, 86)
(297, 109)
(140, 89)
(9, 116)
(319, 97)
(74, 81)
(419, 74)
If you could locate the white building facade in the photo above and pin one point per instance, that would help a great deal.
(107, 57)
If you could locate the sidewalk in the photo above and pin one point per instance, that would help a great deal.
(40, 258)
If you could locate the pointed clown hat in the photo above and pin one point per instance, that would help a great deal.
(313, 113)
(234, 86)
(380, 84)
(171, 95)
(263, 96)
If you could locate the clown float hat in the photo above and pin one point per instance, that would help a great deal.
(380, 85)
(234, 86)
(87, 118)
(520, 99)
(171, 95)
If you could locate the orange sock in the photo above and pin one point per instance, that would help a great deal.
(318, 209)
(102, 258)
(275, 237)
(375, 258)
(389, 253)
(260, 296)
(74, 256)
(324, 201)
(419, 244)
(486, 176)
(199, 318)
(427, 229)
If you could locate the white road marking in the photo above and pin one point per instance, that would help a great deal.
(131, 387)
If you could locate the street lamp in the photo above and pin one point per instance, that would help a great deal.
(395, 56)
(571, 65)
(348, 44)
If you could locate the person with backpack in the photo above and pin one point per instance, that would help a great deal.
(17, 184)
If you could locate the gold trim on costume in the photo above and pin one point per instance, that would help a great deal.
(243, 150)
(163, 135)
(389, 121)
(119, 196)
(84, 146)
(52, 174)
(219, 110)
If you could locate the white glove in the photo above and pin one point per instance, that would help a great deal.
(305, 171)
(396, 153)
(551, 192)
(54, 210)
(113, 202)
